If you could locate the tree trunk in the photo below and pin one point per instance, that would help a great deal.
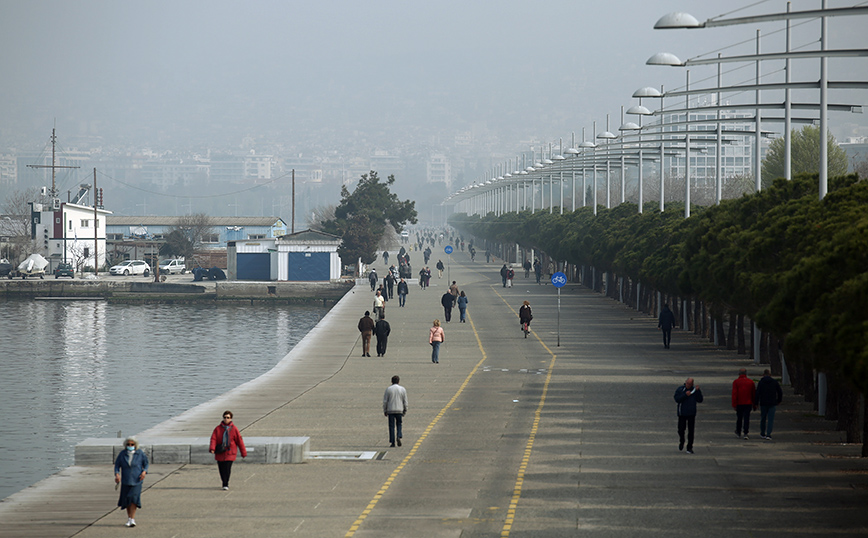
(848, 414)
(730, 337)
(864, 426)
(740, 329)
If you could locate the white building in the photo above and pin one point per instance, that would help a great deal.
(439, 170)
(71, 233)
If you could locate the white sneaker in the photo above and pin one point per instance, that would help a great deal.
(132, 522)
(129, 522)
(226, 487)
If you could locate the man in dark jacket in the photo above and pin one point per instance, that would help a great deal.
(366, 327)
(403, 290)
(768, 396)
(743, 397)
(687, 396)
(447, 300)
(390, 286)
(373, 278)
(382, 330)
(665, 322)
(504, 271)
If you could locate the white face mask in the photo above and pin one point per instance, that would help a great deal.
(131, 448)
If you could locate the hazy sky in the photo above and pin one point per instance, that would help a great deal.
(156, 73)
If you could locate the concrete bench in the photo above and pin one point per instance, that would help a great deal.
(194, 450)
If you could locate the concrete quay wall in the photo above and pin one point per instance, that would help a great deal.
(183, 450)
(180, 290)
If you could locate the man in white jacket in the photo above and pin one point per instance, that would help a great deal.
(395, 407)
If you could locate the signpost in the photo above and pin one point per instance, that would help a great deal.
(448, 251)
(558, 281)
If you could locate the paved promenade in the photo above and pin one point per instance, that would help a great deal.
(507, 436)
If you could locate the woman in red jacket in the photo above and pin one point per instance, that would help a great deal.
(225, 442)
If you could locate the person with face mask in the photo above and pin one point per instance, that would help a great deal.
(131, 466)
(226, 441)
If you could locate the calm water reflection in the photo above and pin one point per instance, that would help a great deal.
(72, 370)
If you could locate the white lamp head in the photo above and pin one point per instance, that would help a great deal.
(677, 20)
(664, 58)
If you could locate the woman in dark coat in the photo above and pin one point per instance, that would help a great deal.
(525, 315)
(131, 466)
(226, 441)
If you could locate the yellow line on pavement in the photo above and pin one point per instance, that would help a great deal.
(373, 503)
(522, 469)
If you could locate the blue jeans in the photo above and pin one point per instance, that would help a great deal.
(463, 312)
(767, 419)
(395, 420)
(402, 297)
(435, 351)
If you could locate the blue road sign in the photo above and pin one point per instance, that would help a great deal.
(559, 279)
(448, 249)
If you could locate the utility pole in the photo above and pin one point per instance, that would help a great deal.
(95, 227)
(292, 225)
(53, 166)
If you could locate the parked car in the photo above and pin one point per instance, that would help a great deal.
(131, 267)
(170, 267)
(64, 269)
(6, 268)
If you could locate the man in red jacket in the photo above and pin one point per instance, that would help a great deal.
(743, 392)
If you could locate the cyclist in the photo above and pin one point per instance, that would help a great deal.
(525, 316)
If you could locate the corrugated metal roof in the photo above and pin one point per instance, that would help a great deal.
(119, 220)
(310, 235)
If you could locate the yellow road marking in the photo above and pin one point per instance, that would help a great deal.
(373, 503)
(522, 468)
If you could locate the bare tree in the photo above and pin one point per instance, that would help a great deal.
(860, 167)
(196, 228)
(16, 223)
(320, 215)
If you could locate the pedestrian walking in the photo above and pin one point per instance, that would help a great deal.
(687, 396)
(527, 267)
(385, 257)
(462, 307)
(525, 316)
(487, 255)
(743, 397)
(665, 322)
(395, 407)
(366, 327)
(379, 305)
(382, 330)
(510, 274)
(453, 289)
(504, 272)
(390, 285)
(768, 396)
(372, 277)
(435, 338)
(403, 290)
(440, 268)
(226, 442)
(131, 466)
(447, 300)
(537, 269)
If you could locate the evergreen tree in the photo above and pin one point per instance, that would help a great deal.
(805, 146)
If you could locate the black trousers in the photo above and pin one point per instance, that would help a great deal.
(667, 337)
(447, 313)
(688, 423)
(225, 468)
(742, 417)
(381, 345)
